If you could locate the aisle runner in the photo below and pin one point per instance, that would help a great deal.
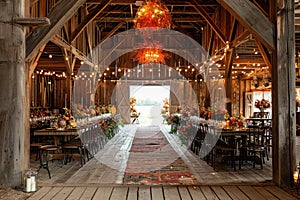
(152, 161)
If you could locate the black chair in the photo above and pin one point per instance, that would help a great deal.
(46, 156)
(73, 148)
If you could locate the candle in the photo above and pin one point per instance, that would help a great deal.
(33, 183)
(28, 184)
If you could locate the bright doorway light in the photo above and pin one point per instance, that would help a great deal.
(150, 102)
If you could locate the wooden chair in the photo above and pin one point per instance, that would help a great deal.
(198, 139)
(226, 149)
(256, 147)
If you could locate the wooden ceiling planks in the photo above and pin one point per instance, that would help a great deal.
(190, 17)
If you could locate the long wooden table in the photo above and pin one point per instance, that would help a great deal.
(58, 135)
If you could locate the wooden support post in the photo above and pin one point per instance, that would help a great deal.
(283, 98)
(14, 92)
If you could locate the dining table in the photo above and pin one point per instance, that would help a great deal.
(59, 135)
(234, 136)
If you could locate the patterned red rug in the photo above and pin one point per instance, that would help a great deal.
(152, 161)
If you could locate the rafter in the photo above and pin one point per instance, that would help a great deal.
(58, 16)
(113, 31)
(210, 21)
(59, 42)
(264, 55)
(89, 18)
(36, 60)
(239, 39)
(252, 19)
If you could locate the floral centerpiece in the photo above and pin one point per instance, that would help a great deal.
(234, 121)
(262, 104)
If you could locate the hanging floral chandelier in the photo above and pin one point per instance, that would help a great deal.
(152, 14)
(150, 55)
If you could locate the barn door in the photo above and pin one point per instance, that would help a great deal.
(184, 93)
(121, 94)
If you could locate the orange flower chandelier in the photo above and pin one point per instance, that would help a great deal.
(152, 14)
(150, 55)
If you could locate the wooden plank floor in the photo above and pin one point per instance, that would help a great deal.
(101, 177)
(109, 165)
(242, 192)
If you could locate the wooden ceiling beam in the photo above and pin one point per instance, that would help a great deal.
(249, 61)
(264, 55)
(131, 19)
(59, 42)
(233, 30)
(239, 39)
(182, 30)
(210, 21)
(252, 19)
(228, 63)
(68, 58)
(35, 61)
(89, 18)
(178, 3)
(58, 16)
(112, 31)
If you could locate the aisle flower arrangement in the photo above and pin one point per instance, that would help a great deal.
(183, 132)
(110, 127)
(133, 111)
(165, 112)
(174, 120)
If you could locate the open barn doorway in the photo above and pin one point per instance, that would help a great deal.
(149, 102)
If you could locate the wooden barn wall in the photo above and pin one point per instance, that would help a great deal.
(104, 93)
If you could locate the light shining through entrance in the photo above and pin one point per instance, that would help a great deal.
(150, 102)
